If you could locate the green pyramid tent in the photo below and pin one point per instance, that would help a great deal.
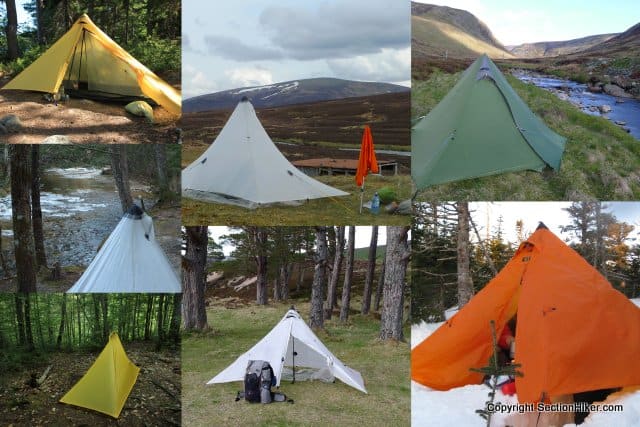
(481, 128)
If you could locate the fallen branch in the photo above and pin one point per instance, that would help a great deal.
(163, 388)
(43, 377)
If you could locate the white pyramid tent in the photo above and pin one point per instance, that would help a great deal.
(130, 260)
(292, 348)
(244, 167)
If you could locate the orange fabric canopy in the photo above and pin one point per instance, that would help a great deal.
(367, 160)
(574, 332)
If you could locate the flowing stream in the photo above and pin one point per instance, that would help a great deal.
(625, 112)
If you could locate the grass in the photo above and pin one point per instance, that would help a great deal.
(384, 366)
(335, 210)
(601, 161)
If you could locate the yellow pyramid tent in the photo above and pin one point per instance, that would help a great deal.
(86, 59)
(108, 382)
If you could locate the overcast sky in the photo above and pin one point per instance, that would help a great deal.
(551, 213)
(363, 236)
(527, 21)
(234, 44)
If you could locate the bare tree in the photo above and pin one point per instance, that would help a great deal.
(194, 315)
(348, 275)
(376, 302)
(260, 236)
(465, 283)
(21, 209)
(397, 258)
(36, 212)
(332, 294)
(316, 318)
(120, 168)
(371, 268)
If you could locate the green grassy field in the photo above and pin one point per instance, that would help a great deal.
(336, 210)
(601, 161)
(384, 366)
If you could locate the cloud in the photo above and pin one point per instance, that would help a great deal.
(195, 82)
(338, 29)
(237, 50)
(389, 65)
(249, 76)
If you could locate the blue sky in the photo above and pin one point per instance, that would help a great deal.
(255, 42)
(517, 21)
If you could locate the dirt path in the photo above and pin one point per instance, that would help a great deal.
(148, 403)
(81, 121)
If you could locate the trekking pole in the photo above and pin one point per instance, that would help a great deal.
(293, 360)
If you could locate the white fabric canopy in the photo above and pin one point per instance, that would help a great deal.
(278, 346)
(130, 260)
(244, 164)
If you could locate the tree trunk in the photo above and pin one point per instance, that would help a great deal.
(36, 209)
(398, 253)
(465, 283)
(20, 318)
(63, 315)
(27, 322)
(120, 170)
(332, 294)
(160, 323)
(348, 275)
(371, 269)
(376, 302)
(11, 30)
(194, 315)
(174, 327)
(316, 318)
(21, 209)
(161, 170)
(260, 236)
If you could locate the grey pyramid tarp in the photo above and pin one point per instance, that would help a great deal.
(244, 167)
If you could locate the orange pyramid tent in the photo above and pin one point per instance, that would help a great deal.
(107, 384)
(574, 331)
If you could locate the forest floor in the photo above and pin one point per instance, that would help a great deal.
(383, 365)
(81, 121)
(154, 400)
(167, 224)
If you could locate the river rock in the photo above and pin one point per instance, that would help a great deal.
(615, 91)
(604, 109)
(619, 101)
(596, 88)
(620, 122)
(56, 139)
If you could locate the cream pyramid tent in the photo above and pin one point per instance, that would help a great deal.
(293, 349)
(244, 167)
(107, 384)
(85, 60)
(130, 260)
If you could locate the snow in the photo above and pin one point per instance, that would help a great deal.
(456, 407)
(53, 205)
(283, 89)
(636, 301)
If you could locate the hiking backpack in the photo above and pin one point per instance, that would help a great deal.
(258, 380)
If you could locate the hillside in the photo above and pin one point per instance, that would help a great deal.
(440, 30)
(557, 48)
(289, 93)
(626, 43)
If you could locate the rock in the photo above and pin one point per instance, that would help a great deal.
(596, 88)
(10, 124)
(563, 96)
(627, 130)
(620, 122)
(619, 101)
(593, 108)
(56, 139)
(604, 109)
(616, 91)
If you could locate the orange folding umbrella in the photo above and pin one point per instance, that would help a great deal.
(366, 162)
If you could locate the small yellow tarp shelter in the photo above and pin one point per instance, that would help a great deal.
(86, 59)
(107, 384)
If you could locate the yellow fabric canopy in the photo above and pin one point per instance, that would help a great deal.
(107, 384)
(108, 68)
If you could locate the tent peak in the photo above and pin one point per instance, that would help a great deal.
(244, 99)
(541, 225)
(134, 212)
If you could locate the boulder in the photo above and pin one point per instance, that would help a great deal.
(604, 109)
(56, 139)
(614, 90)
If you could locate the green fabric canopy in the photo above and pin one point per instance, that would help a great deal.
(481, 128)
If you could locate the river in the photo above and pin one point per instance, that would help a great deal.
(624, 111)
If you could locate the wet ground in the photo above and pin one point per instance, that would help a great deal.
(80, 208)
(624, 112)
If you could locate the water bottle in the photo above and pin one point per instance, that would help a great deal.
(375, 204)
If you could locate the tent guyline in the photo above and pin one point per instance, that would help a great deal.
(481, 128)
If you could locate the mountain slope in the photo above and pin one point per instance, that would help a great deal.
(440, 30)
(626, 43)
(289, 93)
(557, 48)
